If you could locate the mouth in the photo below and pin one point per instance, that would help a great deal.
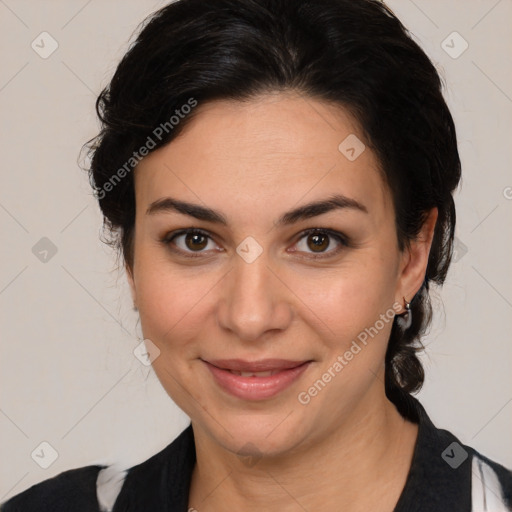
(255, 380)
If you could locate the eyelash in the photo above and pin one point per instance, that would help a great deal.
(340, 237)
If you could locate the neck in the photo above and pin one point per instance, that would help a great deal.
(359, 465)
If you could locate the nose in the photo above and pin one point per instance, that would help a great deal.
(254, 301)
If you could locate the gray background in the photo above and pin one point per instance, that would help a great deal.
(68, 374)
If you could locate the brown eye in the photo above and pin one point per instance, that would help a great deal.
(189, 242)
(318, 242)
(195, 241)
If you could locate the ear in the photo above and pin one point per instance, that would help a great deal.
(131, 282)
(415, 260)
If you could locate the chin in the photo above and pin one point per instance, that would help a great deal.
(257, 434)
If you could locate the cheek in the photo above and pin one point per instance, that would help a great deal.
(357, 308)
(348, 299)
(169, 300)
(171, 308)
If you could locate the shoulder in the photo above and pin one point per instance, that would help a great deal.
(74, 489)
(448, 475)
(104, 488)
(491, 483)
(161, 482)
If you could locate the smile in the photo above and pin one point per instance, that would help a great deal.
(257, 380)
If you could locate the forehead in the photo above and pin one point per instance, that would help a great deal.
(262, 155)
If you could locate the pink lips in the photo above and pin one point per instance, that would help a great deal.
(272, 376)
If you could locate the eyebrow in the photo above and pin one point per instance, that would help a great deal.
(307, 211)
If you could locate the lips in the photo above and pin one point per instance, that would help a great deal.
(255, 374)
(255, 380)
(263, 365)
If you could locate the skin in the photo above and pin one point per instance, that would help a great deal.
(348, 448)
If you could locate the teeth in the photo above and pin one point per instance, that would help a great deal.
(253, 374)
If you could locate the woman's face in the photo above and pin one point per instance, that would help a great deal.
(253, 291)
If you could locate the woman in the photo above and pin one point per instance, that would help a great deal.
(278, 175)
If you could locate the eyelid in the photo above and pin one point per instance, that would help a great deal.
(340, 237)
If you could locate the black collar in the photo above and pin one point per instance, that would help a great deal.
(162, 482)
(440, 475)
